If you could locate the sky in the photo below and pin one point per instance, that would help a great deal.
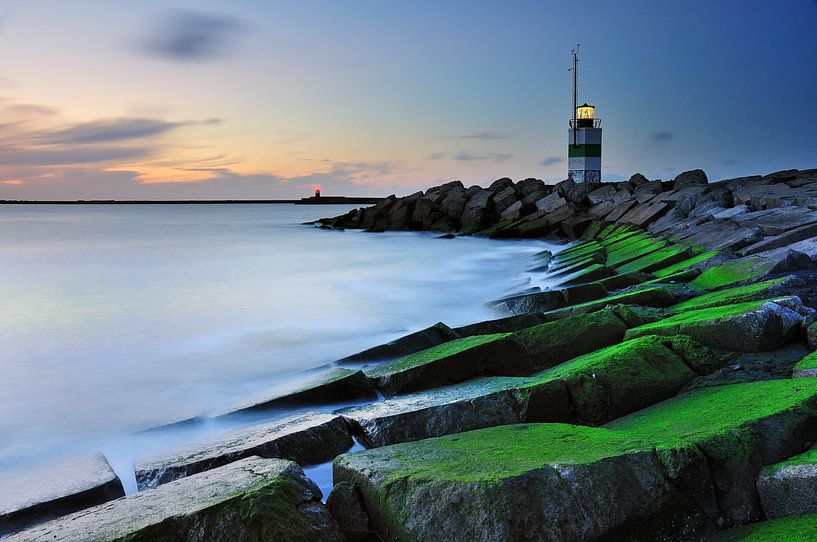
(203, 99)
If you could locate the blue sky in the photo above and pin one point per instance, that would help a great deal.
(206, 99)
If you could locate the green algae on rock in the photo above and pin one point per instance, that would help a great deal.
(530, 482)
(731, 296)
(252, 499)
(789, 488)
(619, 379)
(685, 264)
(806, 367)
(794, 529)
(657, 296)
(754, 326)
(733, 273)
(454, 361)
(554, 342)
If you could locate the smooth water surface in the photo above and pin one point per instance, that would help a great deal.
(116, 318)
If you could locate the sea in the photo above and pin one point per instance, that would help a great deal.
(115, 319)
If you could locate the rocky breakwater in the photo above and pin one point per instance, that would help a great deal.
(660, 388)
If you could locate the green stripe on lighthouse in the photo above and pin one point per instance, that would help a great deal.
(587, 149)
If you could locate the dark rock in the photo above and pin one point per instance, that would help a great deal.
(755, 326)
(452, 362)
(346, 507)
(252, 499)
(501, 184)
(55, 489)
(501, 325)
(637, 179)
(308, 439)
(536, 302)
(477, 212)
(695, 177)
(408, 344)
(332, 386)
(447, 236)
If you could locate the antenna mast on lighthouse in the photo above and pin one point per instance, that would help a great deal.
(575, 71)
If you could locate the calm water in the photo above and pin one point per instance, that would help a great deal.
(119, 318)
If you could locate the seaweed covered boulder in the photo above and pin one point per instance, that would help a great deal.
(754, 326)
(529, 482)
(793, 529)
(789, 488)
(252, 499)
(677, 470)
(454, 361)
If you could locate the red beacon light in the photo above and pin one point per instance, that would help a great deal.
(317, 191)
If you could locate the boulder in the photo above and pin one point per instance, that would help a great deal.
(501, 325)
(806, 367)
(332, 386)
(252, 499)
(811, 335)
(54, 489)
(478, 403)
(791, 529)
(755, 326)
(648, 297)
(308, 439)
(531, 482)
(734, 273)
(551, 202)
(451, 362)
(554, 342)
(643, 214)
(694, 177)
(739, 294)
(346, 506)
(408, 344)
(504, 199)
(789, 488)
(739, 428)
(477, 212)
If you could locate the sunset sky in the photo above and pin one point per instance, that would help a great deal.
(266, 98)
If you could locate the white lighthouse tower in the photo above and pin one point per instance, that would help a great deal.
(584, 136)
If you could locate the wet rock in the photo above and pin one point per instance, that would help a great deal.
(501, 325)
(55, 489)
(789, 488)
(649, 297)
(552, 343)
(528, 482)
(332, 386)
(477, 212)
(252, 499)
(308, 439)
(755, 326)
(408, 344)
(478, 403)
(346, 506)
(451, 362)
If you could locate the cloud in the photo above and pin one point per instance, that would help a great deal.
(552, 160)
(436, 156)
(662, 137)
(484, 135)
(466, 156)
(104, 131)
(190, 36)
(21, 156)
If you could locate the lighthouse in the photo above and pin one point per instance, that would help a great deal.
(584, 136)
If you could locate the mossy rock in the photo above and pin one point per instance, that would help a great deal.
(634, 251)
(754, 326)
(649, 297)
(685, 264)
(656, 260)
(496, 354)
(740, 428)
(531, 482)
(554, 342)
(731, 296)
(618, 380)
(806, 367)
(797, 529)
(252, 499)
(789, 488)
(733, 273)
